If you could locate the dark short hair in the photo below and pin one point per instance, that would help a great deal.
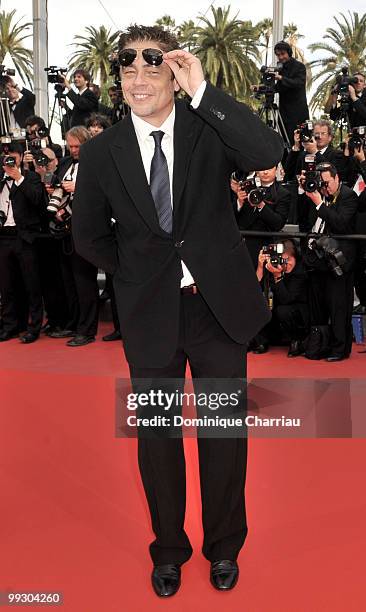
(99, 120)
(327, 167)
(166, 39)
(112, 88)
(282, 45)
(35, 120)
(84, 73)
(95, 89)
(14, 147)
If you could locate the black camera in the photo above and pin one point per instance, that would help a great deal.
(312, 180)
(327, 248)
(3, 218)
(267, 85)
(251, 185)
(5, 72)
(9, 161)
(306, 131)
(357, 139)
(55, 74)
(343, 80)
(275, 252)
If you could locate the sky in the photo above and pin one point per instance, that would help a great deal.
(69, 17)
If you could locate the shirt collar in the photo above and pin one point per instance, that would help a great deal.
(143, 129)
(81, 91)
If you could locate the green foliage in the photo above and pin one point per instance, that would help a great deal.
(12, 37)
(93, 52)
(344, 45)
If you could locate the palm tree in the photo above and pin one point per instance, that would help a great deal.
(12, 36)
(265, 28)
(227, 50)
(186, 34)
(346, 47)
(93, 52)
(167, 22)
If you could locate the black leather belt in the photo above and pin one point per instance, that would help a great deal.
(190, 290)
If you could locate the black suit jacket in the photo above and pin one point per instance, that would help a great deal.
(84, 105)
(293, 105)
(25, 107)
(357, 111)
(146, 261)
(29, 205)
(339, 218)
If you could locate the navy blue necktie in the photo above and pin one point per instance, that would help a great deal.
(160, 185)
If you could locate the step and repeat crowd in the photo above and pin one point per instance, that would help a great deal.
(313, 284)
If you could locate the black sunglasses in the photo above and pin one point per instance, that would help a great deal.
(154, 57)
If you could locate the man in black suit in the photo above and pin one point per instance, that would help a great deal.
(21, 102)
(21, 204)
(184, 283)
(79, 276)
(119, 109)
(85, 101)
(320, 146)
(291, 86)
(356, 103)
(331, 210)
(269, 215)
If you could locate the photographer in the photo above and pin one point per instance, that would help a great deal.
(351, 103)
(318, 144)
(85, 101)
(291, 86)
(21, 206)
(21, 102)
(119, 110)
(287, 284)
(79, 276)
(354, 153)
(331, 209)
(262, 204)
(38, 136)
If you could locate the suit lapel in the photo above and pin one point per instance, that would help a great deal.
(127, 157)
(186, 131)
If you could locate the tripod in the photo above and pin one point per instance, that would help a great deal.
(59, 103)
(271, 115)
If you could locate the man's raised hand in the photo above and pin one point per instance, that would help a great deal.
(186, 68)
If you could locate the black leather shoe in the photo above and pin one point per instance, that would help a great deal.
(80, 340)
(296, 349)
(28, 338)
(116, 335)
(259, 349)
(61, 333)
(224, 574)
(335, 357)
(4, 336)
(166, 579)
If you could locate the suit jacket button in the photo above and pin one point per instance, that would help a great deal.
(178, 244)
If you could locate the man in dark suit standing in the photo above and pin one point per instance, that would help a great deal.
(291, 86)
(331, 210)
(22, 205)
(184, 283)
(21, 102)
(85, 101)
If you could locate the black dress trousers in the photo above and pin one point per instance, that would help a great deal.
(211, 354)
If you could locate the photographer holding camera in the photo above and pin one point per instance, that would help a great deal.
(283, 272)
(262, 204)
(38, 137)
(21, 102)
(85, 101)
(21, 204)
(316, 141)
(79, 276)
(329, 207)
(348, 99)
(291, 86)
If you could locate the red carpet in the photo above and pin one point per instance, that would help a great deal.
(74, 519)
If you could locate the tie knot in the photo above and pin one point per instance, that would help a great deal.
(158, 137)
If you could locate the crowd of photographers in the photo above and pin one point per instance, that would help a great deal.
(309, 283)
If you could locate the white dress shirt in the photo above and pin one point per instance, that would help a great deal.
(5, 201)
(146, 143)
